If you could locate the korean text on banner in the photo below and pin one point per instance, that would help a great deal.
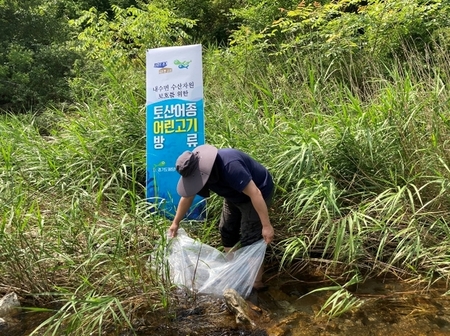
(175, 121)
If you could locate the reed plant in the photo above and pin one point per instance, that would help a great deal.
(76, 232)
(358, 152)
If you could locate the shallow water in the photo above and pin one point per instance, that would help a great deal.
(390, 307)
(23, 324)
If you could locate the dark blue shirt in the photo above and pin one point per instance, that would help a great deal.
(232, 172)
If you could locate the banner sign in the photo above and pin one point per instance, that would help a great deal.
(175, 121)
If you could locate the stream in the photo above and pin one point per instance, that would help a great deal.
(389, 307)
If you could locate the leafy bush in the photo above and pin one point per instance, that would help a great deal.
(35, 60)
(117, 46)
(352, 28)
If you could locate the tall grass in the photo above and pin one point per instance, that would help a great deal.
(76, 232)
(360, 162)
(361, 166)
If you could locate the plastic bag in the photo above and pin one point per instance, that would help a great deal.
(204, 269)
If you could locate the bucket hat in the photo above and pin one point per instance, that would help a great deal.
(195, 168)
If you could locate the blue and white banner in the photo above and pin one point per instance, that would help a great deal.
(175, 121)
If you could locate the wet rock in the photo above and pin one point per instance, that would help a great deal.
(284, 326)
(287, 307)
(245, 311)
(9, 305)
(278, 295)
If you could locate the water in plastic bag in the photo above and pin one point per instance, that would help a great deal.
(204, 269)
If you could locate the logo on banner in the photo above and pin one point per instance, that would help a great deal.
(162, 67)
(182, 64)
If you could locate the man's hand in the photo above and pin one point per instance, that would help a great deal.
(183, 206)
(173, 229)
(268, 233)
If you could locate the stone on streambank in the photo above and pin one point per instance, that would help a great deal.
(9, 305)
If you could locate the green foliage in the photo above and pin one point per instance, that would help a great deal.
(333, 150)
(341, 300)
(258, 15)
(115, 48)
(100, 5)
(361, 164)
(72, 202)
(344, 101)
(86, 315)
(125, 38)
(210, 21)
(217, 20)
(338, 30)
(35, 60)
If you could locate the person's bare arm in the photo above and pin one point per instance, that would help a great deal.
(183, 206)
(252, 191)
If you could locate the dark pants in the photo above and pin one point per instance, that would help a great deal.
(240, 223)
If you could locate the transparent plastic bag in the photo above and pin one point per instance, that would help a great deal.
(204, 269)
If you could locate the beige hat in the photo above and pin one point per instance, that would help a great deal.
(195, 168)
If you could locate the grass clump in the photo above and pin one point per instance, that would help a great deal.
(361, 164)
(76, 231)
